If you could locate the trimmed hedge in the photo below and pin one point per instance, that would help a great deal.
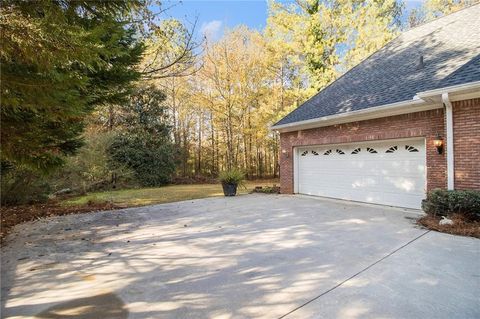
(441, 202)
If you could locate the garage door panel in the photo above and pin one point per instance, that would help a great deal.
(326, 176)
(362, 185)
(369, 197)
(365, 185)
(329, 175)
(394, 174)
(345, 165)
(324, 173)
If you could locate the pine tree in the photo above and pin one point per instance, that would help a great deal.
(61, 59)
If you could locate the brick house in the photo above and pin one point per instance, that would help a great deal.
(404, 121)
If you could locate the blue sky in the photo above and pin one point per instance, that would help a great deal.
(215, 16)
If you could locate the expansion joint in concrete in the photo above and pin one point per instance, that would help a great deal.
(355, 275)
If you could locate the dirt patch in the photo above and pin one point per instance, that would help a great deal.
(13, 215)
(461, 225)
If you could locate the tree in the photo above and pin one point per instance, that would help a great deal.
(89, 170)
(415, 17)
(438, 8)
(431, 9)
(171, 51)
(144, 145)
(61, 59)
(237, 87)
(238, 95)
(375, 24)
(329, 37)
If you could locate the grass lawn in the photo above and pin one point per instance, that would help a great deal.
(158, 195)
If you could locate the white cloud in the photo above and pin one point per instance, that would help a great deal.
(211, 30)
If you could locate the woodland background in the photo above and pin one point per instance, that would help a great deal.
(102, 94)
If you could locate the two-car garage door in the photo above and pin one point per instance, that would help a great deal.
(387, 172)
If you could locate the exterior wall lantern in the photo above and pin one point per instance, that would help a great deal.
(438, 143)
(285, 153)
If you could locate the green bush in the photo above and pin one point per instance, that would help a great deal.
(441, 202)
(89, 170)
(267, 189)
(145, 145)
(21, 185)
(232, 176)
(151, 158)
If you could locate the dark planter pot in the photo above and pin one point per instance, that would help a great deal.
(229, 189)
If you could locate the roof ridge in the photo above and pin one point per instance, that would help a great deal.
(441, 17)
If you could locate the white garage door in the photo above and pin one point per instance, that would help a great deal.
(388, 172)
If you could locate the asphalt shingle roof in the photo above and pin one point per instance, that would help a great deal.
(450, 47)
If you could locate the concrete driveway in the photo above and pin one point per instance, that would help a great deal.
(252, 256)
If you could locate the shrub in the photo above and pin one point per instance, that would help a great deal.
(145, 145)
(267, 189)
(149, 157)
(232, 176)
(21, 185)
(441, 202)
(89, 169)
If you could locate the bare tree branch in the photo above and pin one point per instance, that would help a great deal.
(180, 64)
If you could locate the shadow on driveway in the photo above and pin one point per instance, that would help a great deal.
(252, 256)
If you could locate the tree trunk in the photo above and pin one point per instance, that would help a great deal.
(111, 117)
(199, 151)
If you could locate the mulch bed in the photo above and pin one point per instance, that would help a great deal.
(461, 226)
(13, 215)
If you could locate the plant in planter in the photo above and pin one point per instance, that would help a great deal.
(230, 180)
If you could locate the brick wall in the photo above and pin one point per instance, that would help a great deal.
(466, 137)
(421, 124)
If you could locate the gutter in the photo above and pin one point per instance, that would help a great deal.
(414, 105)
(449, 131)
(448, 95)
(456, 92)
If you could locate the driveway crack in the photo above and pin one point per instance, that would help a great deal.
(354, 275)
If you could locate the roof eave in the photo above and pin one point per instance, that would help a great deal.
(423, 101)
(414, 105)
(458, 92)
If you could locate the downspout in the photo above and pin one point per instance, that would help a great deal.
(449, 122)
